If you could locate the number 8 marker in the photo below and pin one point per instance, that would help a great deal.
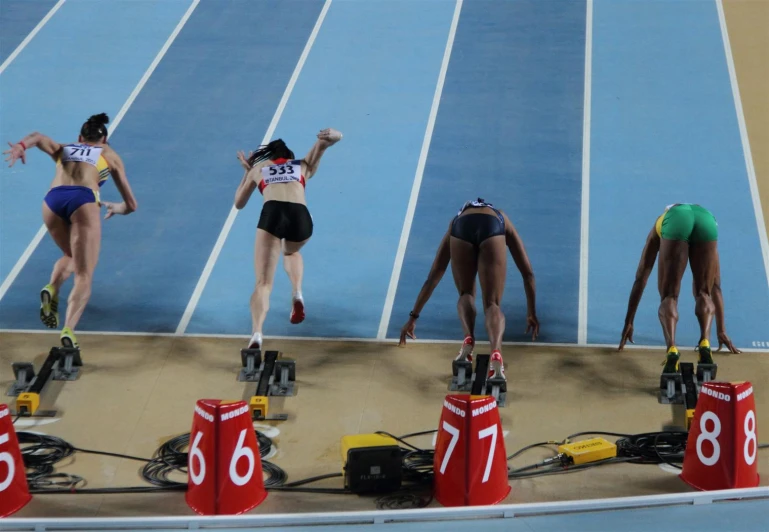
(707, 435)
(750, 433)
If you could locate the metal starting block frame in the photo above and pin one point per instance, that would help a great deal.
(67, 368)
(683, 388)
(477, 382)
(274, 375)
(24, 375)
(61, 364)
(462, 380)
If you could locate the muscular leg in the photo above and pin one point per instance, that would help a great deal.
(294, 266)
(492, 270)
(673, 256)
(704, 263)
(266, 256)
(464, 267)
(62, 269)
(59, 231)
(85, 243)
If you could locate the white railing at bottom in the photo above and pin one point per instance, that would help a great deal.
(379, 517)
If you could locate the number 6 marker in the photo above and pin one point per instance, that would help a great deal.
(8, 459)
(200, 476)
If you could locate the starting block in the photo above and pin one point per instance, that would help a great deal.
(477, 382)
(61, 364)
(68, 366)
(462, 380)
(683, 389)
(706, 373)
(275, 377)
(674, 387)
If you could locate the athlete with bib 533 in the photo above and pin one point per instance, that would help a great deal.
(683, 233)
(476, 244)
(285, 223)
(71, 213)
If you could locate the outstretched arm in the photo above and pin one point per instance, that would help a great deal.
(521, 259)
(117, 169)
(326, 139)
(645, 266)
(718, 302)
(245, 189)
(440, 263)
(33, 140)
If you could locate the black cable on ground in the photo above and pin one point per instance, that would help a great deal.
(115, 455)
(172, 457)
(560, 469)
(42, 452)
(304, 481)
(647, 448)
(532, 446)
(422, 433)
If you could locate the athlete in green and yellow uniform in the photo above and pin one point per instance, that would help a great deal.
(683, 233)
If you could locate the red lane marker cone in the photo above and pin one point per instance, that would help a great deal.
(722, 447)
(449, 463)
(224, 467)
(470, 462)
(201, 463)
(14, 491)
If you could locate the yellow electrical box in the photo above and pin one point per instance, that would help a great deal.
(258, 406)
(27, 403)
(371, 463)
(592, 450)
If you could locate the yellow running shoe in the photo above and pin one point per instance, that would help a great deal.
(706, 356)
(68, 338)
(671, 362)
(49, 307)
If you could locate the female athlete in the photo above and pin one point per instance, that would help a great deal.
(475, 244)
(71, 213)
(285, 223)
(684, 233)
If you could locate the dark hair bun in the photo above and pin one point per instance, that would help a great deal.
(101, 119)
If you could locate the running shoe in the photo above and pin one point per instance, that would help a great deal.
(49, 307)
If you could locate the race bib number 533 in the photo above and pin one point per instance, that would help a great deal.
(282, 173)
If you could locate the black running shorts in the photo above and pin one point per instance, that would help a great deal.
(286, 220)
(477, 227)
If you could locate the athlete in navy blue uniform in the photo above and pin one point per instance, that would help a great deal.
(475, 245)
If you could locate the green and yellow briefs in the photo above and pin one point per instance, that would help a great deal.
(687, 222)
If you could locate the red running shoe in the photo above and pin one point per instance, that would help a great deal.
(497, 366)
(297, 310)
(466, 351)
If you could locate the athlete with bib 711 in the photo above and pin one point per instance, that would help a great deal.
(71, 213)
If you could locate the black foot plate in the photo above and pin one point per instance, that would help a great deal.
(671, 391)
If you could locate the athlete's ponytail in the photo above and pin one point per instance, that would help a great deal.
(276, 149)
(95, 128)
